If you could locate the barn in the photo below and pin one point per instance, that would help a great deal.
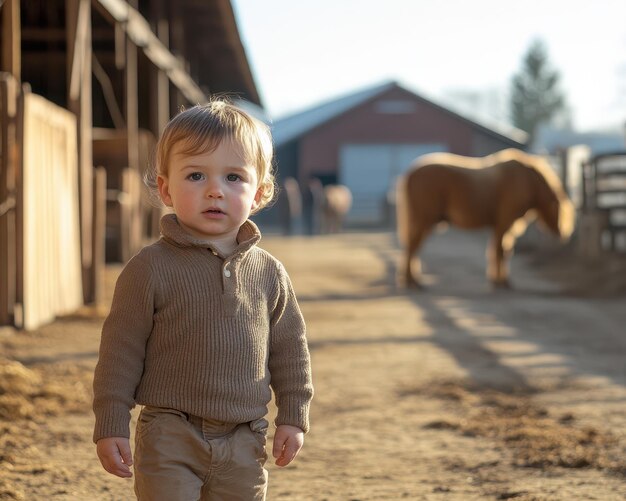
(85, 88)
(366, 139)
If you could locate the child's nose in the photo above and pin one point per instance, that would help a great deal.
(214, 189)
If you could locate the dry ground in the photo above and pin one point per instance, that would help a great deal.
(455, 393)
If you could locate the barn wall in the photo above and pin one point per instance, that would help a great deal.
(286, 161)
(395, 117)
(418, 122)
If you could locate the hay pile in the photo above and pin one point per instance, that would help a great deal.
(537, 439)
(27, 397)
(19, 387)
(48, 391)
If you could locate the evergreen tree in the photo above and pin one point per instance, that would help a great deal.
(536, 97)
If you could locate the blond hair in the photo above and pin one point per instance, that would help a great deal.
(203, 127)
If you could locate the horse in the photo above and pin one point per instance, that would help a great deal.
(336, 204)
(504, 191)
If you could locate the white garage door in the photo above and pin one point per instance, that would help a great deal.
(370, 171)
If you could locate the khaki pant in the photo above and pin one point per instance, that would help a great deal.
(186, 458)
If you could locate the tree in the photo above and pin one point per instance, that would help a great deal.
(536, 97)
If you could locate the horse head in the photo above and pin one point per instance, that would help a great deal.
(553, 206)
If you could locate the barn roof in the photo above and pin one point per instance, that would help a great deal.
(298, 124)
(196, 43)
(550, 139)
(219, 60)
(294, 126)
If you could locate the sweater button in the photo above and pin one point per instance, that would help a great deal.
(227, 273)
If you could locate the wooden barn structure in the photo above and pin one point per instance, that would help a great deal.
(85, 88)
(366, 139)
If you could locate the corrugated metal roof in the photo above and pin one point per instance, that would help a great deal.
(293, 126)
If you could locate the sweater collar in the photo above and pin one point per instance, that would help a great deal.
(248, 236)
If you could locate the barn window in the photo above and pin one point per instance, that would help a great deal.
(395, 106)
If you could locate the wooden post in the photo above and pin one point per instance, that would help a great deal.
(18, 157)
(177, 42)
(10, 62)
(11, 39)
(120, 46)
(132, 99)
(79, 102)
(163, 101)
(132, 106)
(8, 172)
(132, 211)
(160, 84)
(99, 234)
(131, 234)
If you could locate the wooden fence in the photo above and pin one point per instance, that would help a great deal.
(40, 254)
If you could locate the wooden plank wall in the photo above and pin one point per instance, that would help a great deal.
(52, 274)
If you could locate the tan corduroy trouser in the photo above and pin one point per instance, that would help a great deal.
(186, 458)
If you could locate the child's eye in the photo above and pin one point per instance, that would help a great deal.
(233, 177)
(195, 176)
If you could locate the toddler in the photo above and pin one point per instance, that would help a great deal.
(203, 326)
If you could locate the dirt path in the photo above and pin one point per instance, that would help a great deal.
(455, 393)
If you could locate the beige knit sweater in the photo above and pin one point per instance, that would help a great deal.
(202, 333)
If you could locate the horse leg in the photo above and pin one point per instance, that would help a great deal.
(499, 253)
(416, 238)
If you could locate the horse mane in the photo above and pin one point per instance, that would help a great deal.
(535, 162)
(445, 158)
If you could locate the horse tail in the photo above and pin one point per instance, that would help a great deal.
(402, 210)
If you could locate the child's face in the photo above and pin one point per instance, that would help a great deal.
(211, 193)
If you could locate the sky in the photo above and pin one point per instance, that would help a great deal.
(458, 53)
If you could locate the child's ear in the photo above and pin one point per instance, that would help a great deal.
(257, 198)
(164, 190)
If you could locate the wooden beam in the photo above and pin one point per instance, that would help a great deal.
(11, 39)
(138, 30)
(79, 51)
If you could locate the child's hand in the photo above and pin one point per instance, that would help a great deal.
(288, 441)
(115, 455)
